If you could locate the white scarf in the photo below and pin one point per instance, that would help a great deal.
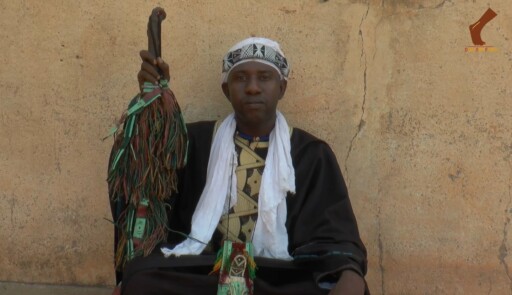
(270, 235)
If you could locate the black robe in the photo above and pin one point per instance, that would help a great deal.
(322, 230)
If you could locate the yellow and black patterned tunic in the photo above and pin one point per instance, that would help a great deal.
(238, 225)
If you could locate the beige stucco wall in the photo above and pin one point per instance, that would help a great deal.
(422, 129)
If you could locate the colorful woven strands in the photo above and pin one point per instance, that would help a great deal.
(143, 169)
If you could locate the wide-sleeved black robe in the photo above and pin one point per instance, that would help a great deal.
(322, 230)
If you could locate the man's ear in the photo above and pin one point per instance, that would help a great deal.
(225, 89)
(283, 85)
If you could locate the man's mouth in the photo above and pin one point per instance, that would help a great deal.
(254, 102)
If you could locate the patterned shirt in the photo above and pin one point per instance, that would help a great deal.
(238, 225)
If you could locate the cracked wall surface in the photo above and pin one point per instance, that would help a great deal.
(422, 129)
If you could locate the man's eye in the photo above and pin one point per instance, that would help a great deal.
(240, 77)
(265, 77)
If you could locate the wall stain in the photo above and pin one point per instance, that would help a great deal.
(455, 176)
(287, 10)
(503, 250)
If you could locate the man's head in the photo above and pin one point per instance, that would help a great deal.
(254, 79)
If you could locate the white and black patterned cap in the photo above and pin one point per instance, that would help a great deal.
(255, 49)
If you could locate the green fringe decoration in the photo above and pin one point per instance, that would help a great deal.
(143, 168)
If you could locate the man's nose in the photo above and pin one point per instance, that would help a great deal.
(252, 87)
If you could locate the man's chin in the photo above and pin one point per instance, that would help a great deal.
(253, 122)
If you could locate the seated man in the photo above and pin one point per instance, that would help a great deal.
(253, 179)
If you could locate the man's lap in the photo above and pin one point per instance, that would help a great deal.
(155, 275)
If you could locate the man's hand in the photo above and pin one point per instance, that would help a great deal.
(148, 69)
(350, 283)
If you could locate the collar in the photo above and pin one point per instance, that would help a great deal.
(252, 138)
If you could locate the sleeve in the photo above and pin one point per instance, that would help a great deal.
(191, 180)
(322, 228)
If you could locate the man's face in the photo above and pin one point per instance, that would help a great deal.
(254, 89)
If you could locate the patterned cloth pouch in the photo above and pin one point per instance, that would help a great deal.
(236, 268)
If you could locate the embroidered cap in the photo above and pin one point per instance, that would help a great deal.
(255, 49)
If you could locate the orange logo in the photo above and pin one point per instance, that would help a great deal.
(475, 30)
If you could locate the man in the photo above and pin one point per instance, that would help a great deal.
(253, 179)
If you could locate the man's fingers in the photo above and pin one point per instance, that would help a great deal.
(164, 67)
(145, 77)
(146, 56)
(150, 69)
